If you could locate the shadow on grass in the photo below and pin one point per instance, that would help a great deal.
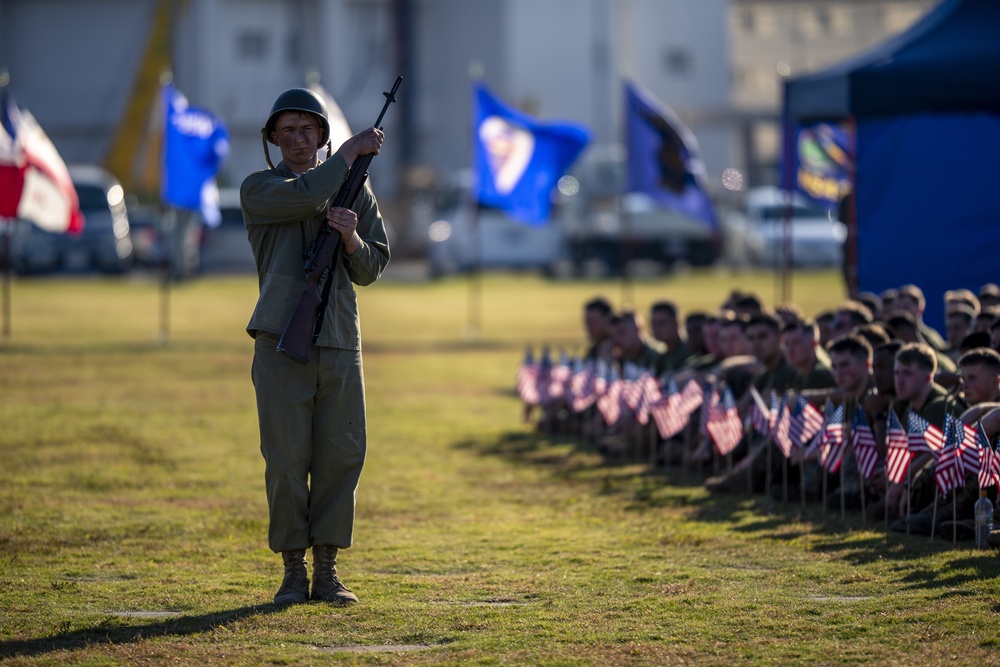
(644, 487)
(107, 632)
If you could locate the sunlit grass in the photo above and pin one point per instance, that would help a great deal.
(133, 519)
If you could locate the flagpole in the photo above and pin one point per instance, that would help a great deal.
(7, 231)
(474, 312)
(861, 477)
(167, 223)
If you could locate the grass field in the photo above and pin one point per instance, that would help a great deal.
(133, 518)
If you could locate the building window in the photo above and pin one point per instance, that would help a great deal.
(252, 44)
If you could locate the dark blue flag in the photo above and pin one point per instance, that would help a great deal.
(518, 159)
(663, 157)
(195, 143)
(821, 163)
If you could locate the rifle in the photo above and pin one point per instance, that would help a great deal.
(304, 325)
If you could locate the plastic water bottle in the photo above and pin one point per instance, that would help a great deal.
(984, 521)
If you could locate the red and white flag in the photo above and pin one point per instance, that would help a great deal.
(34, 182)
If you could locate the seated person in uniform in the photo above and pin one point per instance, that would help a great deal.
(665, 327)
(911, 299)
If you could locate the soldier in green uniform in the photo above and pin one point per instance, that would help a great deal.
(312, 416)
(916, 364)
(665, 327)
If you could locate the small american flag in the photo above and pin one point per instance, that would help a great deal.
(582, 388)
(781, 427)
(527, 380)
(967, 446)
(691, 397)
(948, 473)
(724, 426)
(609, 403)
(923, 436)
(832, 447)
(670, 420)
(559, 379)
(989, 462)
(806, 421)
(898, 454)
(649, 396)
(863, 440)
(709, 408)
(760, 414)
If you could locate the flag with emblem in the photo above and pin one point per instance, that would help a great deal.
(518, 160)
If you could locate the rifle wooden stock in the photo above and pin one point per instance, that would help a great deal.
(302, 328)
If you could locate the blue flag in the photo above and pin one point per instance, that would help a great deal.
(195, 143)
(518, 159)
(821, 163)
(663, 157)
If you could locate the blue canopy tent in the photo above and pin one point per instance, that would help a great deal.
(925, 112)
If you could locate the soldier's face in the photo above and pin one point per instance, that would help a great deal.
(763, 342)
(297, 135)
(980, 383)
(910, 380)
(850, 372)
(663, 326)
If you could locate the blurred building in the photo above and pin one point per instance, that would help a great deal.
(775, 39)
(89, 69)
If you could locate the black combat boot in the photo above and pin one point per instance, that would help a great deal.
(326, 584)
(295, 586)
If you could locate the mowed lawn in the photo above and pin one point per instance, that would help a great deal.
(133, 518)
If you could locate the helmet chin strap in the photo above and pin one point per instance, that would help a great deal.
(267, 154)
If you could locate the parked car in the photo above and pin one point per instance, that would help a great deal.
(105, 244)
(225, 249)
(148, 235)
(758, 233)
(32, 249)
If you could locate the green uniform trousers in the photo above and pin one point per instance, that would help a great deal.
(313, 438)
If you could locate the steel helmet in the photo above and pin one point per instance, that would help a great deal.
(298, 99)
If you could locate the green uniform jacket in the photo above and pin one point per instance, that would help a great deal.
(283, 213)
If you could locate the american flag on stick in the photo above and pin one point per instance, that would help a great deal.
(898, 454)
(832, 448)
(670, 419)
(724, 426)
(863, 440)
(989, 461)
(923, 437)
(806, 421)
(527, 380)
(781, 425)
(760, 413)
(967, 446)
(948, 472)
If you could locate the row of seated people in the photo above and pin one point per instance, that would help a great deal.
(872, 356)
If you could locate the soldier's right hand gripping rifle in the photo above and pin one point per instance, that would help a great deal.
(304, 325)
